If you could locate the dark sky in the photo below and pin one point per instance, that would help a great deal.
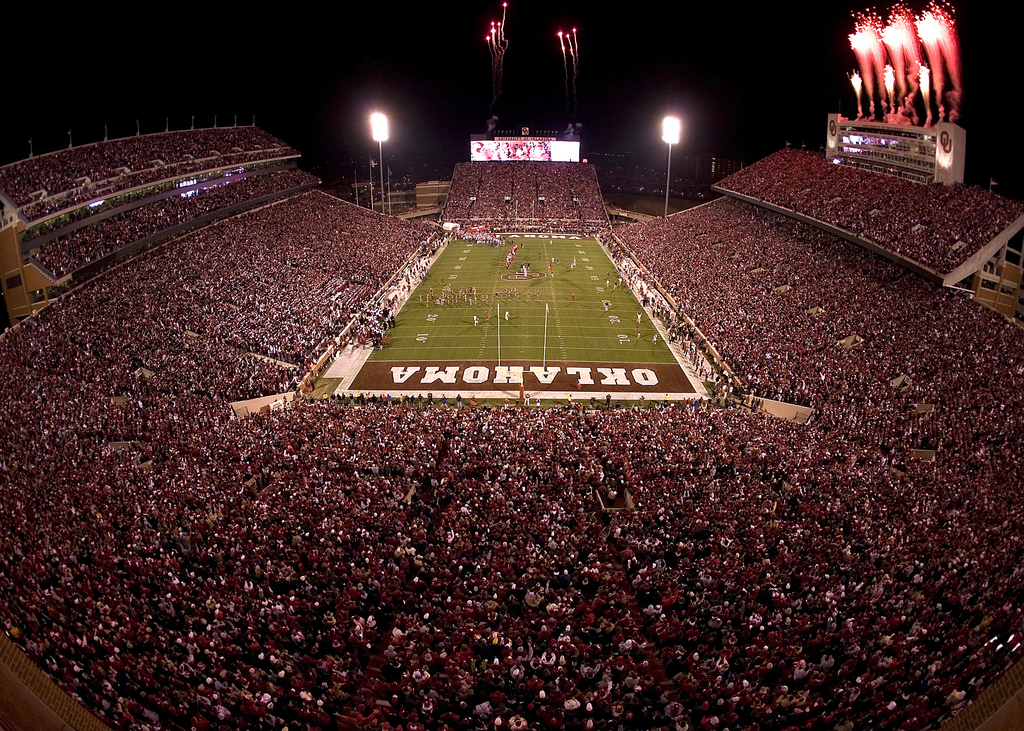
(744, 81)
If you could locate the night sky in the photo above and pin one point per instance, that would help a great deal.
(744, 82)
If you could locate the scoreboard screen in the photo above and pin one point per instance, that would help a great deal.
(532, 150)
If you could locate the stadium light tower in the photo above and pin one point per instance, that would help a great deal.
(670, 128)
(379, 125)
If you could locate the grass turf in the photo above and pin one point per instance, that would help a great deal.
(582, 329)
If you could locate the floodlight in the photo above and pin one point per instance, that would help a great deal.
(670, 129)
(379, 123)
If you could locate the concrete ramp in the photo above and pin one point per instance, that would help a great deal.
(262, 405)
(783, 410)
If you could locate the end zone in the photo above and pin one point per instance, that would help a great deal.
(558, 380)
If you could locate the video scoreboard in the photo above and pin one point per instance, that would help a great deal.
(524, 147)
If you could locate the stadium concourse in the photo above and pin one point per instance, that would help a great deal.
(330, 566)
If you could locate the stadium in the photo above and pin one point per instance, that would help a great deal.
(518, 458)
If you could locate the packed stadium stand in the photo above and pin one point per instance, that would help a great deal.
(346, 566)
(42, 185)
(66, 254)
(71, 213)
(527, 196)
(938, 227)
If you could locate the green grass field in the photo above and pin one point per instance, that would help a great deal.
(590, 320)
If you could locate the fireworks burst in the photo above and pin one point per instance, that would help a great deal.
(900, 39)
(892, 68)
(926, 91)
(565, 70)
(866, 43)
(937, 31)
(570, 42)
(857, 84)
(574, 53)
(497, 44)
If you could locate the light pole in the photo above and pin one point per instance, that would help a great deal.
(379, 125)
(670, 127)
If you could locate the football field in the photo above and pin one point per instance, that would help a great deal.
(563, 326)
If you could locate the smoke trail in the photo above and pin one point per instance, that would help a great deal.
(889, 76)
(949, 43)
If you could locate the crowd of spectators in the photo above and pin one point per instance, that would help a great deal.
(276, 282)
(937, 226)
(68, 253)
(127, 162)
(257, 591)
(541, 196)
(778, 297)
(224, 573)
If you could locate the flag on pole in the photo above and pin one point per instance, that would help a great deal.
(546, 308)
